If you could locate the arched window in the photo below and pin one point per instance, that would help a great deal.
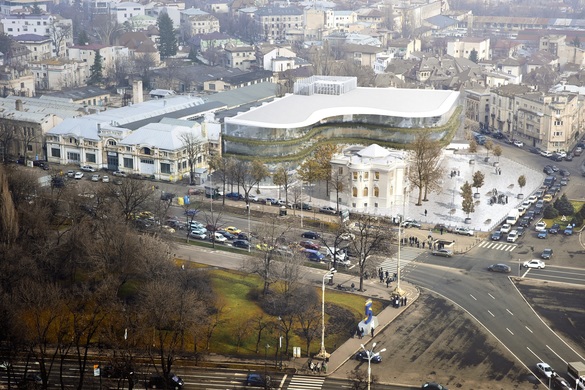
(365, 191)
(111, 142)
(376, 192)
(354, 191)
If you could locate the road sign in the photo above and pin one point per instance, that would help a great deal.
(96, 370)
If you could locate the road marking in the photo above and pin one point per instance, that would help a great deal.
(564, 361)
(510, 331)
(511, 248)
(491, 313)
(539, 359)
(526, 273)
(529, 329)
(510, 312)
(491, 296)
(473, 297)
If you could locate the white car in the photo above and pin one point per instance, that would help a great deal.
(512, 236)
(78, 175)
(526, 204)
(546, 153)
(87, 168)
(562, 154)
(506, 228)
(518, 143)
(545, 369)
(540, 227)
(534, 263)
(532, 199)
(464, 231)
(105, 179)
(95, 178)
(521, 210)
(218, 237)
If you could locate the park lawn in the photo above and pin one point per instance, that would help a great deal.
(235, 293)
(577, 204)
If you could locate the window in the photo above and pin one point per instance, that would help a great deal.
(377, 175)
(56, 152)
(29, 148)
(90, 157)
(165, 168)
(128, 163)
(111, 142)
(366, 191)
(73, 157)
(376, 192)
(355, 175)
(366, 175)
(354, 192)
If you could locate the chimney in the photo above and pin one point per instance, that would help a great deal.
(137, 96)
(19, 105)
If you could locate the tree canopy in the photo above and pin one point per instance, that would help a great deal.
(168, 40)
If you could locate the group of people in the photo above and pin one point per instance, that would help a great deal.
(318, 368)
(412, 241)
(385, 277)
(359, 332)
(398, 301)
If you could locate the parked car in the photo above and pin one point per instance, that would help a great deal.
(70, 173)
(78, 175)
(518, 144)
(534, 263)
(568, 230)
(227, 235)
(464, 231)
(218, 237)
(117, 371)
(540, 226)
(554, 229)
(87, 168)
(547, 254)
(524, 222)
(564, 181)
(545, 153)
(200, 234)
(411, 223)
(506, 228)
(569, 157)
(442, 252)
(313, 255)
(191, 212)
(304, 206)
(520, 230)
(564, 173)
(512, 236)
(532, 199)
(105, 179)
(362, 356)
(496, 236)
(95, 177)
(500, 268)
(311, 235)
(310, 245)
(534, 150)
(234, 196)
(241, 244)
(119, 174)
(328, 210)
(542, 234)
(232, 230)
(548, 170)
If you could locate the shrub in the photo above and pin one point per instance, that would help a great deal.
(550, 212)
(577, 220)
(564, 206)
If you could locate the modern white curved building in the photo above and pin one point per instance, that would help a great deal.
(325, 108)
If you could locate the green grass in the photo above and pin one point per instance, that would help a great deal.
(577, 204)
(235, 295)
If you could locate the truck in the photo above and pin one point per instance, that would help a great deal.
(576, 371)
(212, 192)
(513, 217)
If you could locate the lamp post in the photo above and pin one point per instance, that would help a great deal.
(249, 232)
(322, 353)
(370, 354)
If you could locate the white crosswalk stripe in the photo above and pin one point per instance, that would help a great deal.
(407, 255)
(299, 382)
(499, 246)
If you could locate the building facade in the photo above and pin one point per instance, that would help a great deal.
(275, 22)
(374, 179)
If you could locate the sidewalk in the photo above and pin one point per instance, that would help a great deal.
(347, 350)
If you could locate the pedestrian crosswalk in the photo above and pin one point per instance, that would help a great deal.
(407, 255)
(299, 382)
(496, 245)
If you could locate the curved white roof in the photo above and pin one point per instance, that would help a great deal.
(301, 110)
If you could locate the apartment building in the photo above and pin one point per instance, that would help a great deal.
(275, 22)
(87, 53)
(462, 48)
(127, 10)
(57, 73)
(196, 22)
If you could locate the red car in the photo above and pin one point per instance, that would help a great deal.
(310, 245)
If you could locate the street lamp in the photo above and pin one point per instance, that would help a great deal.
(370, 354)
(322, 353)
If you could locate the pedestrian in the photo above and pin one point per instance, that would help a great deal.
(362, 331)
(386, 273)
(372, 331)
(423, 245)
(404, 301)
(318, 368)
(324, 366)
(500, 172)
(312, 367)
(352, 287)
(441, 231)
(418, 245)
(425, 212)
(387, 282)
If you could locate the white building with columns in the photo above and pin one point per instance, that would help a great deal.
(375, 180)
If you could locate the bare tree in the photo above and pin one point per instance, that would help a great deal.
(131, 195)
(117, 71)
(59, 33)
(358, 379)
(369, 238)
(339, 185)
(8, 214)
(282, 178)
(222, 166)
(107, 28)
(7, 137)
(425, 171)
(195, 149)
(250, 174)
(309, 322)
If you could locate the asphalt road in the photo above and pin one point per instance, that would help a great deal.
(493, 300)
